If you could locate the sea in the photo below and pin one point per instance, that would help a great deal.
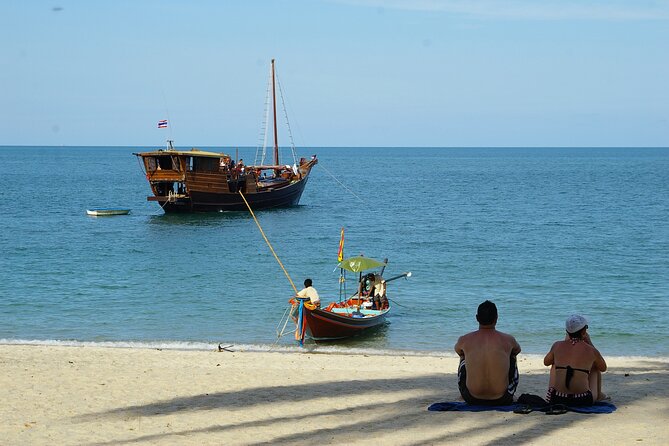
(542, 232)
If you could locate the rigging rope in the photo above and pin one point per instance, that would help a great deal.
(148, 178)
(343, 185)
(141, 167)
(268, 243)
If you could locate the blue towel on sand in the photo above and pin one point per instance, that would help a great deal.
(464, 407)
(598, 407)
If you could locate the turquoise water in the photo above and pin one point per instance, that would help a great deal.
(541, 232)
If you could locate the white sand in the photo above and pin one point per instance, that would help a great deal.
(89, 395)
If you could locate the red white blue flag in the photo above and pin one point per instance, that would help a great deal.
(162, 124)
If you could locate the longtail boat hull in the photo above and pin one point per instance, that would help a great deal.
(325, 325)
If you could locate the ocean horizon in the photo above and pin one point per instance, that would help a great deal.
(542, 232)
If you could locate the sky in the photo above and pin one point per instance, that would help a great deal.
(354, 73)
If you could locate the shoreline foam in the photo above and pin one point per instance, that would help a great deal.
(268, 348)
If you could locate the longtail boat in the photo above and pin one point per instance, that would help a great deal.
(365, 310)
(203, 181)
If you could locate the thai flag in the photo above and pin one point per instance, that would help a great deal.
(162, 124)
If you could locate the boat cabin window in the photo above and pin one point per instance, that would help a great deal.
(203, 164)
(160, 163)
(150, 164)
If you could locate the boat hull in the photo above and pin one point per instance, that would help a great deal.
(199, 201)
(325, 325)
(107, 212)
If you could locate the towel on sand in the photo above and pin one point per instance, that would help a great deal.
(598, 407)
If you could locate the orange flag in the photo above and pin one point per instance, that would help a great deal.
(340, 254)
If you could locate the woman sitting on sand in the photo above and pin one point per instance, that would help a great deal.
(576, 367)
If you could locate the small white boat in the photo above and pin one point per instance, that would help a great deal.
(107, 212)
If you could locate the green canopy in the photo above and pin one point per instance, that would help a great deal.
(359, 263)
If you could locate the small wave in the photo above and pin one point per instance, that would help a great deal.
(205, 346)
(260, 348)
(166, 345)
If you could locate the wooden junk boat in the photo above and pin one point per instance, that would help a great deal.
(200, 181)
(365, 310)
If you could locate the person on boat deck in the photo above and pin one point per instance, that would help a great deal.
(310, 292)
(367, 285)
(576, 367)
(240, 166)
(379, 292)
(487, 374)
(379, 286)
(370, 290)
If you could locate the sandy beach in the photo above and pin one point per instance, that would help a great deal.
(94, 396)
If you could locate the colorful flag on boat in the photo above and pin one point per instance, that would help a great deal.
(162, 124)
(340, 254)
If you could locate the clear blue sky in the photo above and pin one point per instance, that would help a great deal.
(447, 73)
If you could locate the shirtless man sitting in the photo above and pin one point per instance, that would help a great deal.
(487, 374)
(576, 367)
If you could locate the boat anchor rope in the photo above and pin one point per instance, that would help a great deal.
(300, 329)
(268, 243)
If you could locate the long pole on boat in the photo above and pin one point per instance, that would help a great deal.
(276, 137)
(268, 243)
(385, 263)
(340, 257)
(398, 277)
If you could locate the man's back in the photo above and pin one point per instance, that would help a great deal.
(487, 353)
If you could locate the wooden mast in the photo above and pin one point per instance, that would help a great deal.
(276, 138)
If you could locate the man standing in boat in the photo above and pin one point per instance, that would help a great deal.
(487, 374)
(310, 292)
